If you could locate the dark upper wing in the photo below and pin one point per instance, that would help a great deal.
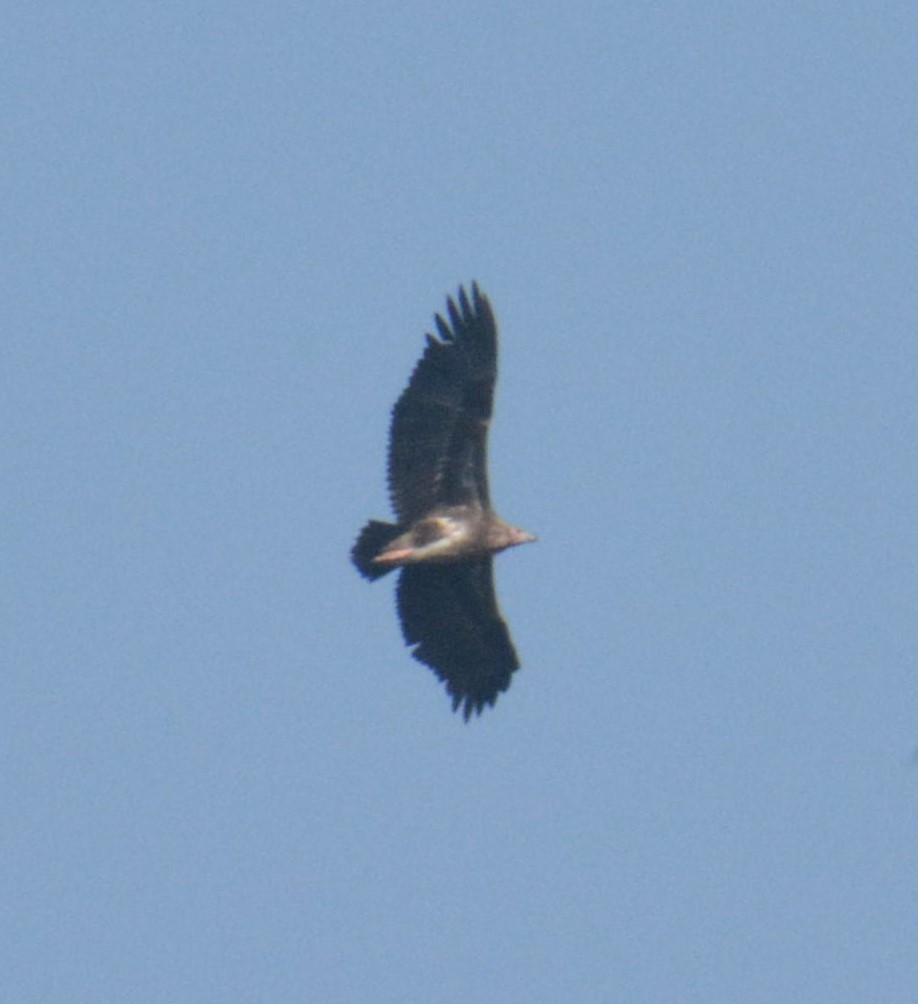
(438, 439)
(450, 613)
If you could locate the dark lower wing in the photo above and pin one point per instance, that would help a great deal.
(450, 613)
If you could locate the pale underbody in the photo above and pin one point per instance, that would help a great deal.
(453, 535)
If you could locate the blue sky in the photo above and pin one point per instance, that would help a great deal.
(226, 230)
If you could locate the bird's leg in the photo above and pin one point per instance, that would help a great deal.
(393, 557)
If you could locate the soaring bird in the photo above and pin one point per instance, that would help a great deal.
(446, 531)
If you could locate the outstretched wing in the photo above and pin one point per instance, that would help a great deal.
(438, 439)
(450, 612)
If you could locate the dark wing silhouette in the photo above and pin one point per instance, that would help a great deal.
(438, 439)
(450, 612)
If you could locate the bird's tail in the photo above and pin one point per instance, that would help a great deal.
(373, 538)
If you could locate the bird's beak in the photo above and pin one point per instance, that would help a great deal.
(523, 536)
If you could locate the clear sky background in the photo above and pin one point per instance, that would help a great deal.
(226, 228)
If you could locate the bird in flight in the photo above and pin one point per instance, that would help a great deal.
(447, 531)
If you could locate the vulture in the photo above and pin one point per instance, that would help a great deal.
(446, 531)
